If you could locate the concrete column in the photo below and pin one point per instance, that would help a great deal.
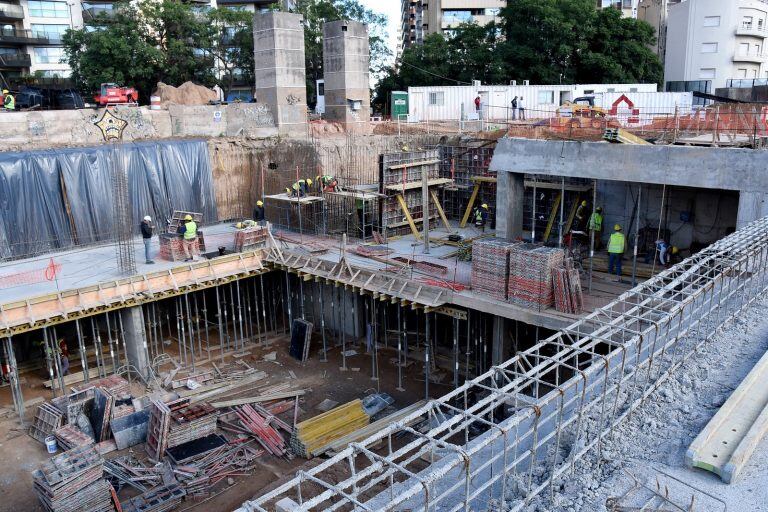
(510, 193)
(280, 69)
(752, 206)
(346, 65)
(136, 339)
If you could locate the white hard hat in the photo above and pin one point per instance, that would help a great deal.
(148, 218)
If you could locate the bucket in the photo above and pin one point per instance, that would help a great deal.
(50, 443)
(154, 103)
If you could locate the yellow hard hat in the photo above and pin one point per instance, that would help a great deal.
(309, 181)
(259, 203)
(617, 228)
(287, 190)
(317, 177)
(485, 206)
(675, 250)
(5, 91)
(187, 217)
(583, 203)
(239, 225)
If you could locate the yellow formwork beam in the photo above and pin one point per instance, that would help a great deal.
(472, 200)
(408, 216)
(552, 216)
(440, 210)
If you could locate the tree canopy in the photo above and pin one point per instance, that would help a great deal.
(544, 41)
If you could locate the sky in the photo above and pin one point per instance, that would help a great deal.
(391, 9)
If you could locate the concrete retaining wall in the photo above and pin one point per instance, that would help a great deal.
(52, 128)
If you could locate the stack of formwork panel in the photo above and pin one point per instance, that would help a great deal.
(69, 437)
(160, 499)
(567, 288)
(47, 419)
(74, 481)
(189, 422)
(530, 275)
(490, 267)
(250, 238)
(157, 429)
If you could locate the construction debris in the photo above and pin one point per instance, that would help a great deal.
(187, 93)
(73, 481)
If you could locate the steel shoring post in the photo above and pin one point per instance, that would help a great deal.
(255, 314)
(117, 335)
(111, 344)
(427, 362)
(533, 214)
(197, 326)
(264, 308)
(238, 293)
(49, 360)
(375, 343)
(343, 296)
(83, 355)
(562, 211)
(637, 237)
(191, 329)
(469, 332)
(321, 286)
(219, 319)
(207, 327)
(301, 297)
(13, 374)
(57, 361)
(236, 318)
(400, 335)
(97, 349)
(180, 332)
(592, 234)
(455, 353)
(288, 296)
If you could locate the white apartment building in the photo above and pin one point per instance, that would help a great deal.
(628, 8)
(709, 42)
(423, 17)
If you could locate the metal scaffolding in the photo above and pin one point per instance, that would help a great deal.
(514, 432)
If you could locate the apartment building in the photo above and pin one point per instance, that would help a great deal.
(628, 8)
(655, 13)
(709, 42)
(423, 17)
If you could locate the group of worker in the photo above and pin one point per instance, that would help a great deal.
(187, 230)
(324, 183)
(617, 242)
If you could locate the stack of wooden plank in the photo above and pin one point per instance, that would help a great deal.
(567, 289)
(315, 433)
(73, 481)
(339, 444)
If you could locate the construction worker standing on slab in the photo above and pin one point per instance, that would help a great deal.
(188, 232)
(146, 235)
(595, 226)
(616, 246)
(326, 183)
(481, 216)
(9, 102)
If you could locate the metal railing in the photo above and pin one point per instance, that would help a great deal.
(564, 397)
(11, 11)
(23, 36)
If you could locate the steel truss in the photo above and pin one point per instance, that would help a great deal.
(514, 432)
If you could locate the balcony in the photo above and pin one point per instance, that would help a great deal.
(15, 60)
(21, 36)
(11, 12)
(751, 29)
(751, 57)
(92, 14)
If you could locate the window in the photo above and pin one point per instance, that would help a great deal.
(633, 89)
(546, 97)
(437, 99)
(321, 89)
(589, 91)
(493, 11)
(46, 9)
(743, 48)
(741, 73)
(709, 48)
(52, 32)
(49, 55)
(707, 73)
(457, 16)
(711, 21)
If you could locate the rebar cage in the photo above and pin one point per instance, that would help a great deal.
(514, 432)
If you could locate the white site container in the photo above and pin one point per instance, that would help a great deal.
(641, 108)
(451, 103)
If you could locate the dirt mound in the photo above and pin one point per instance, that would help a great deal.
(187, 93)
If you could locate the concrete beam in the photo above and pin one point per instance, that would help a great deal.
(686, 166)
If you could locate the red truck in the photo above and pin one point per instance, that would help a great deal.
(113, 93)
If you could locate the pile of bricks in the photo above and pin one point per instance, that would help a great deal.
(530, 275)
(172, 248)
(250, 238)
(74, 481)
(490, 267)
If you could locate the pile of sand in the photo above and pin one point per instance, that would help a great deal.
(187, 93)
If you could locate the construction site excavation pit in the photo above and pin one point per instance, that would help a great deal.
(422, 323)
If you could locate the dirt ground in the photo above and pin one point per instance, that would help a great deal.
(326, 380)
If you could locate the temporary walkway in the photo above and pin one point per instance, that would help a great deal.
(546, 408)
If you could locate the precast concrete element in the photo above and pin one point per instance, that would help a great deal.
(280, 71)
(516, 431)
(346, 64)
(725, 445)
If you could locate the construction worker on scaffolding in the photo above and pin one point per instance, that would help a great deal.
(188, 232)
(326, 183)
(481, 216)
(595, 226)
(616, 246)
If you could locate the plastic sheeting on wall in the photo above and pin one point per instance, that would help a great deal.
(56, 199)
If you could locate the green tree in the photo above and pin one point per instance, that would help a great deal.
(231, 45)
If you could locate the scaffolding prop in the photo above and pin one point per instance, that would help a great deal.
(565, 395)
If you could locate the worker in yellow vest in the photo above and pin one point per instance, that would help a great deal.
(595, 226)
(616, 246)
(188, 232)
(9, 102)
